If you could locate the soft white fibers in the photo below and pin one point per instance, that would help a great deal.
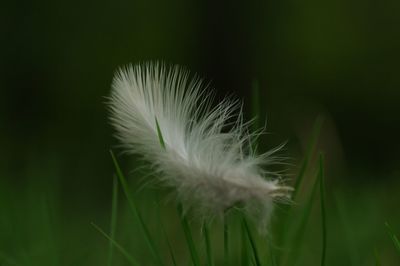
(207, 159)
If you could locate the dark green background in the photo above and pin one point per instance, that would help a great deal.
(337, 58)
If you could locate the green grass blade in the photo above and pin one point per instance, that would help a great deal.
(306, 213)
(226, 240)
(300, 231)
(252, 242)
(135, 211)
(189, 238)
(207, 241)
(271, 256)
(113, 226)
(348, 233)
(309, 153)
(282, 228)
(392, 235)
(377, 258)
(323, 208)
(49, 232)
(171, 253)
(160, 137)
(132, 260)
(164, 232)
(244, 254)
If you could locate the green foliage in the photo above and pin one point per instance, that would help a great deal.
(283, 226)
(393, 236)
(377, 258)
(252, 242)
(170, 250)
(113, 225)
(226, 239)
(176, 241)
(323, 210)
(250, 245)
(189, 237)
(160, 137)
(210, 261)
(135, 211)
(129, 257)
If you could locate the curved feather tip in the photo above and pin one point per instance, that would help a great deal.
(162, 114)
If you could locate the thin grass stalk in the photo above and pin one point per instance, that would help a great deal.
(271, 256)
(244, 245)
(300, 230)
(164, 232)
(282, 229)
(392, 236)
(113, 225)
(126, 254)
(207, 241)
(189, 238)
(310, 151)
(226, 240)
(162, 143)
(136, 213)
(323, 209)
(160, 137)
(377, 258)
(49, 231)
(354, 254)
(252, 242)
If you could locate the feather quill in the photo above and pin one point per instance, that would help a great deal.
(211, 168)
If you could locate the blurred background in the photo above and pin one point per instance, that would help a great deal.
(336, 58)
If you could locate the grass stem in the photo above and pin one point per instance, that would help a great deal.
(118, 246)
(189, 237)
(114, 205)
(135, 211)
(323, 209)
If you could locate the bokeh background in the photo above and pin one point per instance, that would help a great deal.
(335, 58)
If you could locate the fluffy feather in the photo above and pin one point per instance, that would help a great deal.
(211, 168)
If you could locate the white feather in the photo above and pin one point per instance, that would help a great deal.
(211, 168)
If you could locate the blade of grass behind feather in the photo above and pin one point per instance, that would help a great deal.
(189, 238)
(184, 222)
(348, 233)
(132, 260)
(226, 240)
(135, 211)
(271, 256)
(49, 232)
(297, 240)
(377, 258)
(160, 137)
(392, 235)
(207, 241)
(252, 242)
(309, 153)
(164, 232)
(282, 228)
(113, 226)
(323, 208)
(244, 245)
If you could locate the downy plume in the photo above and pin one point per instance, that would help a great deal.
(162, 114)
